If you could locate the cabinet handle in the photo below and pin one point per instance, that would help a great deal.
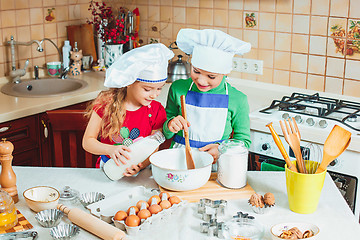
(4, 129)
(46, 132)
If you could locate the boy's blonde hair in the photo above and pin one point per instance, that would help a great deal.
(113, 103)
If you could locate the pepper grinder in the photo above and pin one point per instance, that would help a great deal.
(7, 176)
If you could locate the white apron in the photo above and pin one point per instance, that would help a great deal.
(207, 115)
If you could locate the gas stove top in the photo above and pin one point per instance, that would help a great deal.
(344, 112)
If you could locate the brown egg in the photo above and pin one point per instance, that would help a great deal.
(135, 208)
(165, 204)
(120, 215)
(174, 200)
(138, 204)
(132, 221)
(167, 195)
(144, 214)
(157, 199)
(154, 207)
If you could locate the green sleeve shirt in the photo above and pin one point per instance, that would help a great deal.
(238, 112)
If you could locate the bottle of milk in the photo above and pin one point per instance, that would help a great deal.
(140, 150)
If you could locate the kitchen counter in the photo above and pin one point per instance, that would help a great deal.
(333, 215)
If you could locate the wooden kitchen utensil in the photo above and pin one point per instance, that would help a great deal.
(292, 136)
(335, 144)
(279, 144)
(92, 224)
(189, 159)
(7, 176)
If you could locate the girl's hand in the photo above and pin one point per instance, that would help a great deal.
(119, 153)
(212, 149)
(134, 169)
(178, 123)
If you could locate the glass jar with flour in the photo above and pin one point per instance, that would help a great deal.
(232, 164)
(140, 151)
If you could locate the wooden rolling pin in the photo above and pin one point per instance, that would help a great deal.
(92, 224)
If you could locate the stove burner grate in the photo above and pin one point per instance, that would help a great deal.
(317, 106)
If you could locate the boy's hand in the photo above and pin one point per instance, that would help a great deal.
(212, 149)
(134, 169)
(178, 123)
(119, 153)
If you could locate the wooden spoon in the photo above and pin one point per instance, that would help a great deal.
(335, 144)
(189, 159)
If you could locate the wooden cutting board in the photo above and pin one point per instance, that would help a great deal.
(214, 191)
(84, 35)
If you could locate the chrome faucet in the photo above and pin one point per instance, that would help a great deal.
(15, 74)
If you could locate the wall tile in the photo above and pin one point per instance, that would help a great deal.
(166, 31)
(154, 13)
(334, 85)
(63, 2)
(316, 64)
(169, 2)
(267, 6)
(48, 3)
(192, 3)
(283, 41)
(315, 82)
(267, 21)
(206, 17)
(283, 22)
(74, 12)
(282, 60)
(7, 19)
(251, 36)
(220, 18)
(319, 25)
(36, 16)
(249, 76)
(253, 54)
(352, 69)
(266, 40)
(50, 49)
(35, 3)
(284, 6)
(251, 5)
(50, 30)
(281, 77)
(331, 48)
(354, 8)
(300, 43)
(165, 14)
(192, 16)
(267, 75)
(2, 69)
(205, 3)
(301, 24)
(236, 4)
(179, 14)
(37, 32)
(84, 12)
(339, 8)
(64, 13)
(333, 21)
(22, 17)
(352, 88)
(267, 56)
(320, 7)
(19, 4)
(7, 5)
(298, 80)
(335, 67)
(2, 54)
(318, 45)
(302, 6)
(154, 2)
(235, 19)
(299, 62)
(222, 4)
(238, 33)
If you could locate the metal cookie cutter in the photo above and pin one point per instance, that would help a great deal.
(243, 216)
(218, 205)
(213, 228)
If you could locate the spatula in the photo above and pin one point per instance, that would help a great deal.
(335, 144)
(189, 159)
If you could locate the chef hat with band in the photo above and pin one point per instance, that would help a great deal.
(212, 50)
(147, 64)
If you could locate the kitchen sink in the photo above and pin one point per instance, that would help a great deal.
(46, 87)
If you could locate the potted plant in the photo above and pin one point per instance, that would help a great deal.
(110, 26)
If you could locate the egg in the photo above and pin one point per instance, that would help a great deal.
(132, 221)
(120, 215)
(154, 207)
(164, 196)
(135, 209)
(174, 200)
(139, 203)
(165, 204)
(144, 214)
(157, 199)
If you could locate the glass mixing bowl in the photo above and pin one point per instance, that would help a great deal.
(243, 229)
(8, 215)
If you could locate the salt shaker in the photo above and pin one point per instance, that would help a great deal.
(232, 164)
(7, 176)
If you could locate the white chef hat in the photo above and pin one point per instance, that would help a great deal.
(148, 64)
(212, 50)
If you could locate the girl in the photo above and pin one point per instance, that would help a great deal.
(127, 111)
(215, 110)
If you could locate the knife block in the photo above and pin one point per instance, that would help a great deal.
(7, 175)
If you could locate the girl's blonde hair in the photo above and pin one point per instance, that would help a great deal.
(113, 103)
